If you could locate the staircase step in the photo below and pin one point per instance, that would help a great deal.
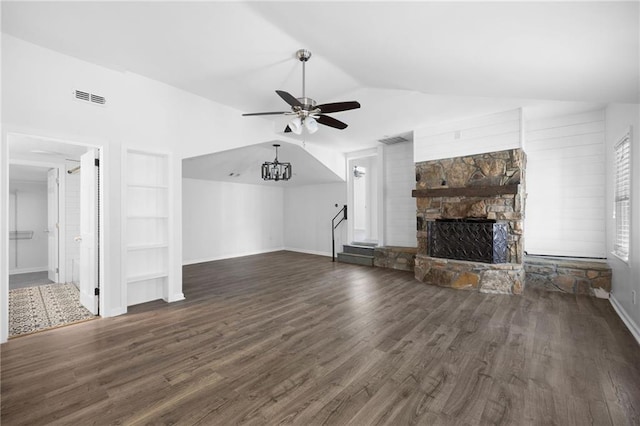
(356, 259)
(358, 249)
(365, 244)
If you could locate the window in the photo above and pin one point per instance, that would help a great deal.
(622, 200)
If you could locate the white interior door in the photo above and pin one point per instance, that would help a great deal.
(53, 227)
(88, 232)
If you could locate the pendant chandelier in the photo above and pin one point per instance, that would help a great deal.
(276, 170)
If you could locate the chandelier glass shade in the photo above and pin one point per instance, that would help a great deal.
(275, 170)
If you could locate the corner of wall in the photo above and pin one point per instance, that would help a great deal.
(628, 321)
(618, 118)
(333, 160)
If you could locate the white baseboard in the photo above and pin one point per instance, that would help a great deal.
(114, 312)
(28, 270)
(230, 256)
(175, 297)
(631, 325)
(317, 253)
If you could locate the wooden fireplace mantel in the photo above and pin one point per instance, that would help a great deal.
(469, 191)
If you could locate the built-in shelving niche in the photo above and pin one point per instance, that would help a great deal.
(147, 226)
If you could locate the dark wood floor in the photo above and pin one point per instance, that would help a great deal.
(293, 338)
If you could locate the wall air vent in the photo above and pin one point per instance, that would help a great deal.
(393, 140)
(89, 97)
(83, 96)
(97, 99)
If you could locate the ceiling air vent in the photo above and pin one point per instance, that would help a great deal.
(89, 97)
(393, 140)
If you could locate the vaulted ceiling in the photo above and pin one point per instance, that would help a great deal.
(410, 64)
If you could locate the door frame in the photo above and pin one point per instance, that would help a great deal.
(378, 155)
(104, 240)
(62, 224)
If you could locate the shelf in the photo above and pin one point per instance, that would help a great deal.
(148, 246)
(142, 216)
(147, 186)
(20, 235)
(148, 210)
(469, 191)
(146, 277)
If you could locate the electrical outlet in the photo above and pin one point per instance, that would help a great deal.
(633, 296)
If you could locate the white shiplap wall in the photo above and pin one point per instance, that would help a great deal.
(400, 206)
(565, 208)
(307, 217)
(488, 133)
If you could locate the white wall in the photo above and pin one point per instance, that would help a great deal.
(488, 133)
(37, 86)
(72, 223)
(626, 275)
(565, 178)
(223, 219)
(400, 206)
(308, 211)
(31, 254)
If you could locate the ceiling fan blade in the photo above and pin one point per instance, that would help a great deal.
(289, 98)
(265, 113)
(287, 129)
(338, 106)
(331, 122)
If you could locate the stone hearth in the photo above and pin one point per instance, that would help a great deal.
(484, 186)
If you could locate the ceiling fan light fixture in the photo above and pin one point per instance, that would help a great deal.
(296, 126)
(311, 125)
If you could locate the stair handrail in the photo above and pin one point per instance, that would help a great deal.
(334, 225)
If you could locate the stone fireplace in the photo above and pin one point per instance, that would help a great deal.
(470, 213)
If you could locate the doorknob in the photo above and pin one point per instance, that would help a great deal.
(77, 239)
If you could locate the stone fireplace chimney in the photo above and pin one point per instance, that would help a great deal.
(484, 188)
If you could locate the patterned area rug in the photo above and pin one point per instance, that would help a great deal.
(37, 308)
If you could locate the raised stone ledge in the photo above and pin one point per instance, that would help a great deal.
(504, 278)
(395, 257)
(569, 275)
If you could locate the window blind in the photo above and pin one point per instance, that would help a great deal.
(622, 200)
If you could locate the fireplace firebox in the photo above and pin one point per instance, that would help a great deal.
(471, 239)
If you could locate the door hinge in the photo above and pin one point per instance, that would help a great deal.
(58, 181)
(97, 162)
(96, 292)
(57, 270)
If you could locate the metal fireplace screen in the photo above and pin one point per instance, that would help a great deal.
(468, 239)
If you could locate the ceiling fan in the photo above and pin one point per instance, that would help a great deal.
(307, 114)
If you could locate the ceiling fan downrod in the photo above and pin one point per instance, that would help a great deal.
(303, 56)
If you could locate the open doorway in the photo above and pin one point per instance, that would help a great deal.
(364, 198)
(53, 233)
(33, 216)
